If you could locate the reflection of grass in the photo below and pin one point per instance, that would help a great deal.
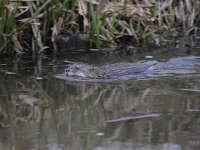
(52, 103)
(77, 111)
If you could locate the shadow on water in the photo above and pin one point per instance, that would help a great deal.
(39, 111)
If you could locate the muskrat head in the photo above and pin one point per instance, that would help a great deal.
(86, 71)
(77, 70)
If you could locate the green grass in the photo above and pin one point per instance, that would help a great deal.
(95, 26)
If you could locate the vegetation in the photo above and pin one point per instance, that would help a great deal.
(26, 25)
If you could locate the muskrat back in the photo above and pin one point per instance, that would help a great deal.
(107, 71)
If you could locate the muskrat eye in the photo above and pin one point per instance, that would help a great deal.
(77, 68)
(66, 70)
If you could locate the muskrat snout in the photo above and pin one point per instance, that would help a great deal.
(76, 70)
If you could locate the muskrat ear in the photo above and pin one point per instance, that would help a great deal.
(68, 65)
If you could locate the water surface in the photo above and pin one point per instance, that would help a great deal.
(40, 111)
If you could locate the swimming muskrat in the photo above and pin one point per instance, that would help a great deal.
(108, 71)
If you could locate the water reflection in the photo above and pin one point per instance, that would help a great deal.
(56, 114)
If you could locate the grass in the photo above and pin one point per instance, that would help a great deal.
(30, 25)
(95, 26)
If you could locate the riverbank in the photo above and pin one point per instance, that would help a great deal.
(34, 26)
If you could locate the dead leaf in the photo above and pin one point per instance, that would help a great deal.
(82, 7)
(9, 8)
(17, 46)
(28, 99)
(56, 29)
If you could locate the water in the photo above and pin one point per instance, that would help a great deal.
(40, 111)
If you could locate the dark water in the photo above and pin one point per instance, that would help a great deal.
(40, 111)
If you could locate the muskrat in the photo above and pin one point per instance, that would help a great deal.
(108, 71)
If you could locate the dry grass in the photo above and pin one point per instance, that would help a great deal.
(31, 24)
